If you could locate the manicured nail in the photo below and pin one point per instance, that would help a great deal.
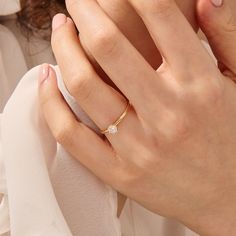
(58, 20)
(44, 73)
(217, 3)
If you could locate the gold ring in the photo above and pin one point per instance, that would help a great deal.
(113, 128)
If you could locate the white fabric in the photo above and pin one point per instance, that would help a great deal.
(8, 7)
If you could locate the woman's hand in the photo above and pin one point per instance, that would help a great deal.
(175, 150)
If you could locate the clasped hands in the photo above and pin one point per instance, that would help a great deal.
(175, 150)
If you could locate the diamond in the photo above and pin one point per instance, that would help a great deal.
(112, 129)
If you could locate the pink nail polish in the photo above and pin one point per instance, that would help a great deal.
(58, 20)
(44, 73)
(217, 3)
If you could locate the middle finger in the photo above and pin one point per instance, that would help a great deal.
(115, 54)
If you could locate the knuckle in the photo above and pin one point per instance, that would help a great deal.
(80, 85)
(210, 96)
(214, 97)
(181, 129)
(64, 133)
(160, 7)
(176, 128)
(205, 95)
(105, 41)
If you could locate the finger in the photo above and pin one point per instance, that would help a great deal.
(218, 21)
(173, 35)
(132, 26)
(79, 140)
(80, 78)
(116, 55)
(101, 102)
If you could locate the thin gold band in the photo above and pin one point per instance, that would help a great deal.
(113, 128)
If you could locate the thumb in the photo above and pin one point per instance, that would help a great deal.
(217, 19)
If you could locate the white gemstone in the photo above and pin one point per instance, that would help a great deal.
(112, 129)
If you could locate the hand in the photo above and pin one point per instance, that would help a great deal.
(129, 22)
(180, 130)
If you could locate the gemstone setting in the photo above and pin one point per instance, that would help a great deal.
(112, 129)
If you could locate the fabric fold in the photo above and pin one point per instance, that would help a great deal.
(32, 203)
(39, 186)
(4, 208)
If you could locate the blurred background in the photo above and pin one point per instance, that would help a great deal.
(24, 39)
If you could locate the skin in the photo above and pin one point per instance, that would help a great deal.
(128, 21)
(126, 18)
(175, 150)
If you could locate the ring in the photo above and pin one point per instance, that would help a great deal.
(113, 128)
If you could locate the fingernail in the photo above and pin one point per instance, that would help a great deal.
(58, 20)
(44, 73)
(217, 3)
